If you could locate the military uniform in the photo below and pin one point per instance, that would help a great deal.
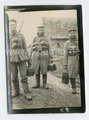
(18, 59)
(40, 56)
(71, 60)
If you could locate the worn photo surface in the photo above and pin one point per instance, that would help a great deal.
(44, 59)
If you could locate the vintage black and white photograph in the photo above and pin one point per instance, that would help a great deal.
(44, 59)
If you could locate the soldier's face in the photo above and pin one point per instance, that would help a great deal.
(41, 32)
(12, 26)
(72, 34)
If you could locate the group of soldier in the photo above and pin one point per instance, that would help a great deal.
(39, 58)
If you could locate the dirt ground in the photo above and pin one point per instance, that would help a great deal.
(58, 95)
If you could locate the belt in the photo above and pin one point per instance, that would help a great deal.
(72, 54)
(40, 50)
(45, 49)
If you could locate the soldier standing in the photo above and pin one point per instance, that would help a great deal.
(40, 55)
(18, 59)
(71, 57)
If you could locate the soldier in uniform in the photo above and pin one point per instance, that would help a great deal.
(18, 59)
(71, 56)
(40, 55)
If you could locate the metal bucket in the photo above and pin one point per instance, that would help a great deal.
(52, 67)
(65, 78)
(30, 71)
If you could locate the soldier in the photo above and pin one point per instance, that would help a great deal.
(18, 59)
(71, 57)
(40, 55)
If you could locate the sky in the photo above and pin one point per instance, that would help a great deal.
(31, 20)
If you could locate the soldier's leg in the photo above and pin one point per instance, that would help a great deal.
(15, 81)
(24, 80)
(73, 83)
(45, 81)
(37, 79)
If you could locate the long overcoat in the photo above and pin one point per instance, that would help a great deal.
(40, 54)
(71, 58)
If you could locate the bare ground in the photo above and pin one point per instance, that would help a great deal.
(58, 95)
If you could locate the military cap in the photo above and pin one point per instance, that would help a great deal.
(13, 20)
(70, 30)
(40, 28)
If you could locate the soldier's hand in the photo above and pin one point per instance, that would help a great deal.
(78, 52)
(65, 66)
(51, 61)
(29, 63)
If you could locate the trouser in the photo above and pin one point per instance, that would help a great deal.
(44, 76)
(22, 67)
(73, 82)
(44, 79)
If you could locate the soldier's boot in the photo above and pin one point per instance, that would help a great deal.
(45, 81)
(27, 94)
(16, 89)
(37, 81)
(73, 83)
(74, 91)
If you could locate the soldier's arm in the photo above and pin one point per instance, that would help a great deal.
(31, 52)
(31, 47)
(65, 54)
(50, 50)
(78, 50)
(24, 45)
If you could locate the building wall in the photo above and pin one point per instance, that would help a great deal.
(56, 29)
(57, 46)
